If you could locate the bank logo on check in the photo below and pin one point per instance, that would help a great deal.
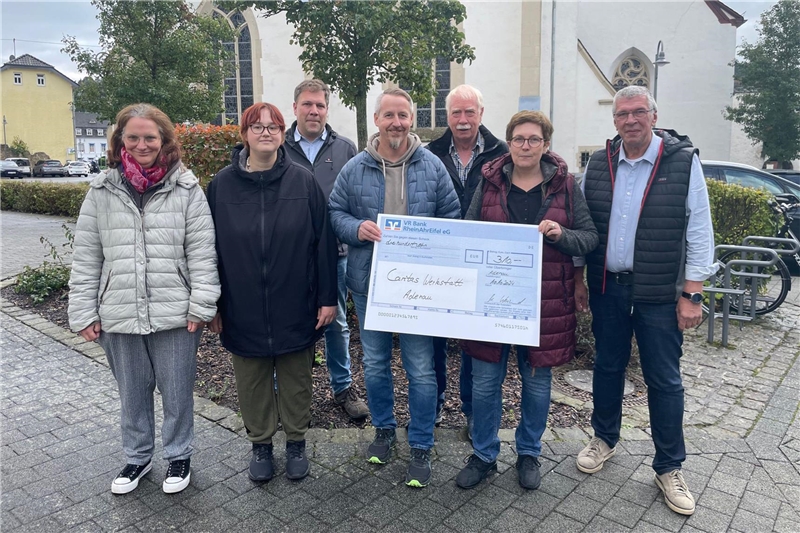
(392, 224)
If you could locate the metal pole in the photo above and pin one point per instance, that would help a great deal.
(655, 85)
(4, 130)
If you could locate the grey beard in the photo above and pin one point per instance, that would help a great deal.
(395, 143)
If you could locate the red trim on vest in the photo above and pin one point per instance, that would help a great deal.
(609, 157)
(652, 175)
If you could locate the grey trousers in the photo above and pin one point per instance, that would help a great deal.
(167, 359)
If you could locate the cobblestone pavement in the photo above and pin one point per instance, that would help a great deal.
(60, 450)
(20, 244)
(59, 412)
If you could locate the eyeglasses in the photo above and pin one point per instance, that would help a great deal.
(258, 129)
(519, 142)
(134, 139)
(637, 114)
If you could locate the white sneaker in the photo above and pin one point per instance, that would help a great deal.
(128, 479)
(676, 492)
(592, 457)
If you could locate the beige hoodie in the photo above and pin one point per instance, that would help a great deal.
(395, 201)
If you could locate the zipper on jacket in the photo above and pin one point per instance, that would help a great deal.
(264, 283)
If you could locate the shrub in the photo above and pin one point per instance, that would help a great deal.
(206, 148)
(49, 277)
(63, 199)
(737, 212)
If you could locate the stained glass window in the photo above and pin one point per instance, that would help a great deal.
(631, 71)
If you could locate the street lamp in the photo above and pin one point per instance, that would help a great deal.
(4, 130)
(659, 62)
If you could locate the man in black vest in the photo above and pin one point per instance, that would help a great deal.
(313, 144)
(648, 199)
(463, 148)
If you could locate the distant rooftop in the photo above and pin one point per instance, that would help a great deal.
(89, 120)
(28, 61)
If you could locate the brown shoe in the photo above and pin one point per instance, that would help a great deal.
(353, 405)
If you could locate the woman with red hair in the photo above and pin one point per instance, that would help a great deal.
(277, 265)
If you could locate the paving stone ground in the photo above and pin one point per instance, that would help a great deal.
(59, 418)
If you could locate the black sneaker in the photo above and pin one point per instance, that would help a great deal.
(128, 479)
(261, 466)
(476, 471)
(528, 471)
(419, 469)
(380, 450)
(178, 475)
(297, 466)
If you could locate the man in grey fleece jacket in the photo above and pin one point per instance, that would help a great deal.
(394, 175)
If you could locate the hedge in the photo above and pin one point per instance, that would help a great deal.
(63, 199)
(737, 212)
(207, 148)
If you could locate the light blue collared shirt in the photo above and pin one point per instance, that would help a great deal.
(310, 148)
(629, 186)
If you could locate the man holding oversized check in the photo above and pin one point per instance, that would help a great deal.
(394, 176)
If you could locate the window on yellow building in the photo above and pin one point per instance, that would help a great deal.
(18, 78)
(40, 80)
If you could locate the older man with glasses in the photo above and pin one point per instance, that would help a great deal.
(648, 199)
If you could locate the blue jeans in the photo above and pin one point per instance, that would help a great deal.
(487, 402)
(417, 355)
(337, 337)
(615, 319)
(464, 376)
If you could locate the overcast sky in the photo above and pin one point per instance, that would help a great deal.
(38, 28)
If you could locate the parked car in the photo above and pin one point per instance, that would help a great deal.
(95, 168)
(23, 163)
(49, 167)
(748, 176)
(9, 169)
(78, 168)
(791, 175)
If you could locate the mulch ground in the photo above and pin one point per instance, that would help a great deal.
(215, 378)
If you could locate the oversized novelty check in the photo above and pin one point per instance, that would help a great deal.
(457, 279)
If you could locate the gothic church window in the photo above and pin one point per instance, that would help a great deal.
(238, 69)
(631, 71)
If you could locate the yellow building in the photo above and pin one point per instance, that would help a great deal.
(35, 106)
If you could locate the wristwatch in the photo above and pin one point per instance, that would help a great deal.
(694, 297)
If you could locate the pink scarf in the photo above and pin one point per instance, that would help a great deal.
(142, 178)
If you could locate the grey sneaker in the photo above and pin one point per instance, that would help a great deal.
(353, 405)
(476, 471)
(676, 492)
(419, 469)
(592, 457)
(380, 450)
(528, 471)
(297, 466)
(261, 465)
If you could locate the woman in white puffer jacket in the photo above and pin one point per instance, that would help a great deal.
(144, 282)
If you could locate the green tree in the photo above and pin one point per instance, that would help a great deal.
(768, 74)
(156, 52)
(351, 45)
(19, 148)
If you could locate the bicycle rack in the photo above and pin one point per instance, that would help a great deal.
(795, 247)
(727, 291)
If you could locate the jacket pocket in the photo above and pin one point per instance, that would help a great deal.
(104, 286)
(183, 276)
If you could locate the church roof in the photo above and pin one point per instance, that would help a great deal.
(27, 60)
(725, 15)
